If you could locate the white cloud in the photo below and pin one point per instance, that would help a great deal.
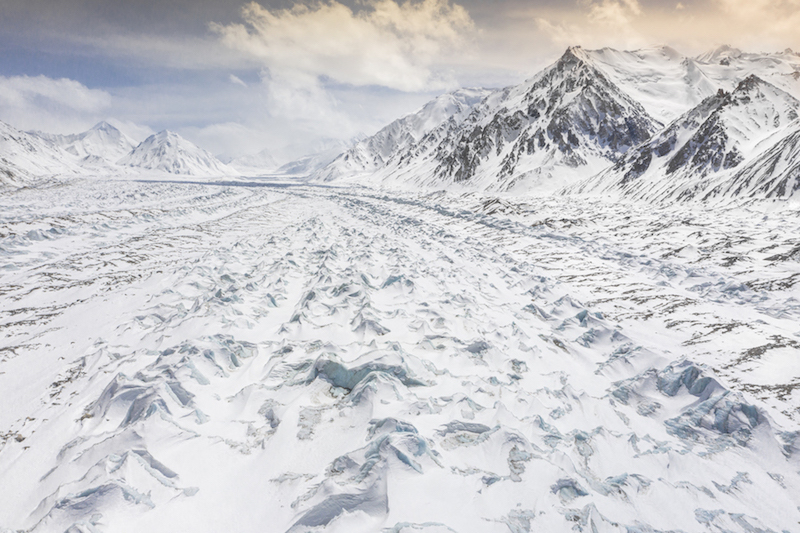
(236, 80)
(764, 22)
(136, 132)
(53, 105)
(614, 13)
(386, 43)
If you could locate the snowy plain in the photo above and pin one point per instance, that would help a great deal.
(262, 355)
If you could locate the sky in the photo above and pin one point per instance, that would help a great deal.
(291, 77)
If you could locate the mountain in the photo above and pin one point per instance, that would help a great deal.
(101, 144)
(573, 120)
(568, 122)
(310, 163)
(262, 162)
(553, 128)
(169, 152)
(668, 84)
(775, 173)
(701, 147)
(373, 153)
(24, 156)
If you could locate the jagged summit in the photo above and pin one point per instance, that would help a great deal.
(169, 152)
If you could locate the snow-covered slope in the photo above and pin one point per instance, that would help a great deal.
(101, 144)
(24, 156)
(167, 151)
(668, 84)
(316, 161)
(727, 66)
(262, 162)
(183, 357)
(702, 147)
(373, 153)
(775, 173)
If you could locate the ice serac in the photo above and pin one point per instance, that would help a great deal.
(704, 147)
(167, 151)
(399, 137)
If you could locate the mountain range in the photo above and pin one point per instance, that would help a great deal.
(647, 124)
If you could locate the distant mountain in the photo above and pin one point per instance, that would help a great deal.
(701, 147)
(167, 151)
(24, 156)
(101, 144)
(373, 153)
(262, 162)
(668, 84)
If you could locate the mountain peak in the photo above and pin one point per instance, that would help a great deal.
(721, 53)
(169, 152)
(574, 55)
(104, 126)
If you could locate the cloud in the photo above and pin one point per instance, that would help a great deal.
(237, 80)
(600, 23)
(54, 105)
(614, 13)
(386, 43)
(766, 22)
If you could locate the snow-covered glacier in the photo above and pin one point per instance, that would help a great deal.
(569, 305)
(275, 356)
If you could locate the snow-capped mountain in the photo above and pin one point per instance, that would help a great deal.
(579, 118)
(167, 151)
(373, 153)
(24, 156)
(261, 162)
(562, 123)
(701, 147)
(775, 173)
(103, 143)
(567, 122)
(668, 84)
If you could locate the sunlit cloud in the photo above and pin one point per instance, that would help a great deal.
(386, 43)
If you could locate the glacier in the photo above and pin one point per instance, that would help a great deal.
(407, 339)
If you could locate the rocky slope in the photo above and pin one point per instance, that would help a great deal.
(703, 147)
